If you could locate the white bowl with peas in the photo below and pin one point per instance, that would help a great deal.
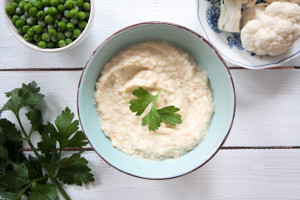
(49, 25)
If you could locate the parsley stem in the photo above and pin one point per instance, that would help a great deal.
(60, 188)
(27, 137)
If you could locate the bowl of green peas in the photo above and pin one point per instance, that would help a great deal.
(49, 25)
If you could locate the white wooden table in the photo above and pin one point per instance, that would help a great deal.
(261, 157)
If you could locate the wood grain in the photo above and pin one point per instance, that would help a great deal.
(235, 175)
(267, 112)
(110, 17)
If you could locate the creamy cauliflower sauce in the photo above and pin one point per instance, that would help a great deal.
(154, 66)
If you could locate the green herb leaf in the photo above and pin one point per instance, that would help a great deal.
(29, 176)
(169, 115)
(35, 118)
(154, 118)
(67, 133)
(6, 195)
(141, 103)
(28, 95)
(48, 143)
(74, 170)
(42, 191)
(34, 168)
(10, 144)
(16, 178)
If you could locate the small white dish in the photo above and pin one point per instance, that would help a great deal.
(14, 30)
(229, 44)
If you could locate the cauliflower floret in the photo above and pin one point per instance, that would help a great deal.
(292, 1)
(272, 32)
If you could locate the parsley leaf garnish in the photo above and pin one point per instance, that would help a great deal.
(28, 95)
(155, 116)
(31, 176)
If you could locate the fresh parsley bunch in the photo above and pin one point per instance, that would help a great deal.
(155, 116)
(38, 177)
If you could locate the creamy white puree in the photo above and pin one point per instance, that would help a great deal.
(154, 66)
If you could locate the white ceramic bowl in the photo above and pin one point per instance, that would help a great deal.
(229, 44)
(14, 30)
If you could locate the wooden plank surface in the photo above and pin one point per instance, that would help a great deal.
(234, 175)
(267, 113)
(110, 16)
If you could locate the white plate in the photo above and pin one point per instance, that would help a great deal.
(229, 44)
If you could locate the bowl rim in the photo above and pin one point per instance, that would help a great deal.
(200, 37)
(13, 30)
(239, 63)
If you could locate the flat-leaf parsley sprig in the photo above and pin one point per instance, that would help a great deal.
(30, 176)
(155, 116)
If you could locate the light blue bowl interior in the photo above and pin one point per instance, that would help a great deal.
(221, 85)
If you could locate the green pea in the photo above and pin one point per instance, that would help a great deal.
(46, 3)
(49, 19)
(30, 32)
(27, 38)
(23, 17)
(25, 28)
(79, 3)
(54, 2)
(67, 13)
(27, 6)
(62, 43)
(81, 15)
(76, 33)
(38, 5)
(37, 29)
(61, 8)
(42, 23)
(70, 27)
(82, 24)
(41, 15)
(74, 13)
(46, 37)
(74, 21)
(31, 21)
(20, 23)
(42, 44)
(26, 14)
(86, 6)
(70, 4)
(60, 36)
(33, 11)
(87, 15)
(52, 11)
(68, 34)
(21, 4)
(62, 26)
(69, 41)
(10, 10)
(37, 37)
(62, 1)
(52, 32)
(19, 11)
(20, 31)
(14, 4)
(46, 10)
(15, 18)
(54, 39)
